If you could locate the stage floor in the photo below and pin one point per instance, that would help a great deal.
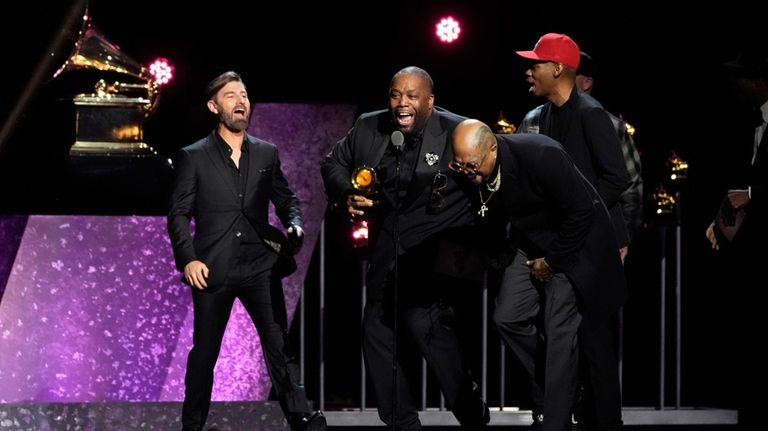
(236, 416)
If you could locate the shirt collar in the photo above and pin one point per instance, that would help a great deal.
(223, 146)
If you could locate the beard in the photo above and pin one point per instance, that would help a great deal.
(232, 123)
(416, 128)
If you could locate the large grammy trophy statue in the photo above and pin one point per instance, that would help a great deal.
(110, 121)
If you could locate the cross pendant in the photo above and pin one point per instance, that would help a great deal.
(483, 209)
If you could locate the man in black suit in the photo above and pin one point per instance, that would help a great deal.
(631, 199)
(417, 205)
(748, 195)
(225, 183)
(564, 250)
(581, 125)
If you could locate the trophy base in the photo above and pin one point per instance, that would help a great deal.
(101, 148)
(111, 125)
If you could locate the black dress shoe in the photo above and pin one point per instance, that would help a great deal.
(478, 420)
(538, 421)
(486, 415)
(308, 422)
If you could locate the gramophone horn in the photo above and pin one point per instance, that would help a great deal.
(94, 51)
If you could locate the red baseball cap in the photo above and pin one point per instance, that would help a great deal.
(554, 47)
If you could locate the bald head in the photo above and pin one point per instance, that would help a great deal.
(421, 73)
(472, 136)
(474, 148)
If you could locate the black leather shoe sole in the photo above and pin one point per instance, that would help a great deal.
(316, 422)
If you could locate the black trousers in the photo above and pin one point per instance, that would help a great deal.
(752, 295)
(262, 297)
(427, 321)
(549, 354)
(601, 399)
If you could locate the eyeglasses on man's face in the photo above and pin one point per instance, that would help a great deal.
(469, 169)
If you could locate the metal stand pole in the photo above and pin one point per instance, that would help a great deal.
(321, 320)
(678, 320)
(484, 371)
(662, 313)
(363, 270)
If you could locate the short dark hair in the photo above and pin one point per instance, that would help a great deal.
(586, 65)
(220, 81)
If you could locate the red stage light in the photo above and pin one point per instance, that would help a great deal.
(448, 30)
(161, 70)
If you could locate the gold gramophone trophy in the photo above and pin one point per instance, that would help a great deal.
(110, 121)
(503, 125)
(678, 167)
(363, 181)
(665, 203)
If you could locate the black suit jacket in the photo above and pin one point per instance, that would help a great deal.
(755, 226)
(205, 191)
(590, 138)
(557, 214)
(365, 144)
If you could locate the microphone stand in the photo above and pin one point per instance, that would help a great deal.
(397, 141)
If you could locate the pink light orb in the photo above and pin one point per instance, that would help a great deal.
(448, 30)
(161, 70)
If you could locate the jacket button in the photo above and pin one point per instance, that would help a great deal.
(238, 234)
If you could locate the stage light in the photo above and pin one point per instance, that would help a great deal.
(448, 30)
(360, 234)
(161, 70)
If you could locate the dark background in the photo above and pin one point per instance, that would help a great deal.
(659, 67)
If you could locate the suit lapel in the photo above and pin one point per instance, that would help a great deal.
(433, 144)
(255, 159)
(762, 149)
(217, 162)
(510, 193)
(377, 149)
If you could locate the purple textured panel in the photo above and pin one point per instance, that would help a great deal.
(95, 311)
(92, 312)
(11, 229)
(304, 134)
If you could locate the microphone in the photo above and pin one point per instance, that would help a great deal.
(398, 139)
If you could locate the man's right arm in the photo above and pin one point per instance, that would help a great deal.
(530, 123)
(337, 170)
(181, 209)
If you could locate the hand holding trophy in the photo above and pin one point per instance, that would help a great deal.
(363, 181)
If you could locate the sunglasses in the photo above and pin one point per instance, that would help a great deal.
(439, 182)
(468, 169)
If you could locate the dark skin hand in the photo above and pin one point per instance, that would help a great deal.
(540, 269)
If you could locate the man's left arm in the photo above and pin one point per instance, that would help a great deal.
(566, 192)
(286, 203)
(612, 175)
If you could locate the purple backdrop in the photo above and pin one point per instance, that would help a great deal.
(94, 310)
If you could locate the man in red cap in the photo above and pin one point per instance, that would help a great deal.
(585, 130)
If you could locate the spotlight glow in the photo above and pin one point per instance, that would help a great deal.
(161, 70)
(360, 234)
(448, 30)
